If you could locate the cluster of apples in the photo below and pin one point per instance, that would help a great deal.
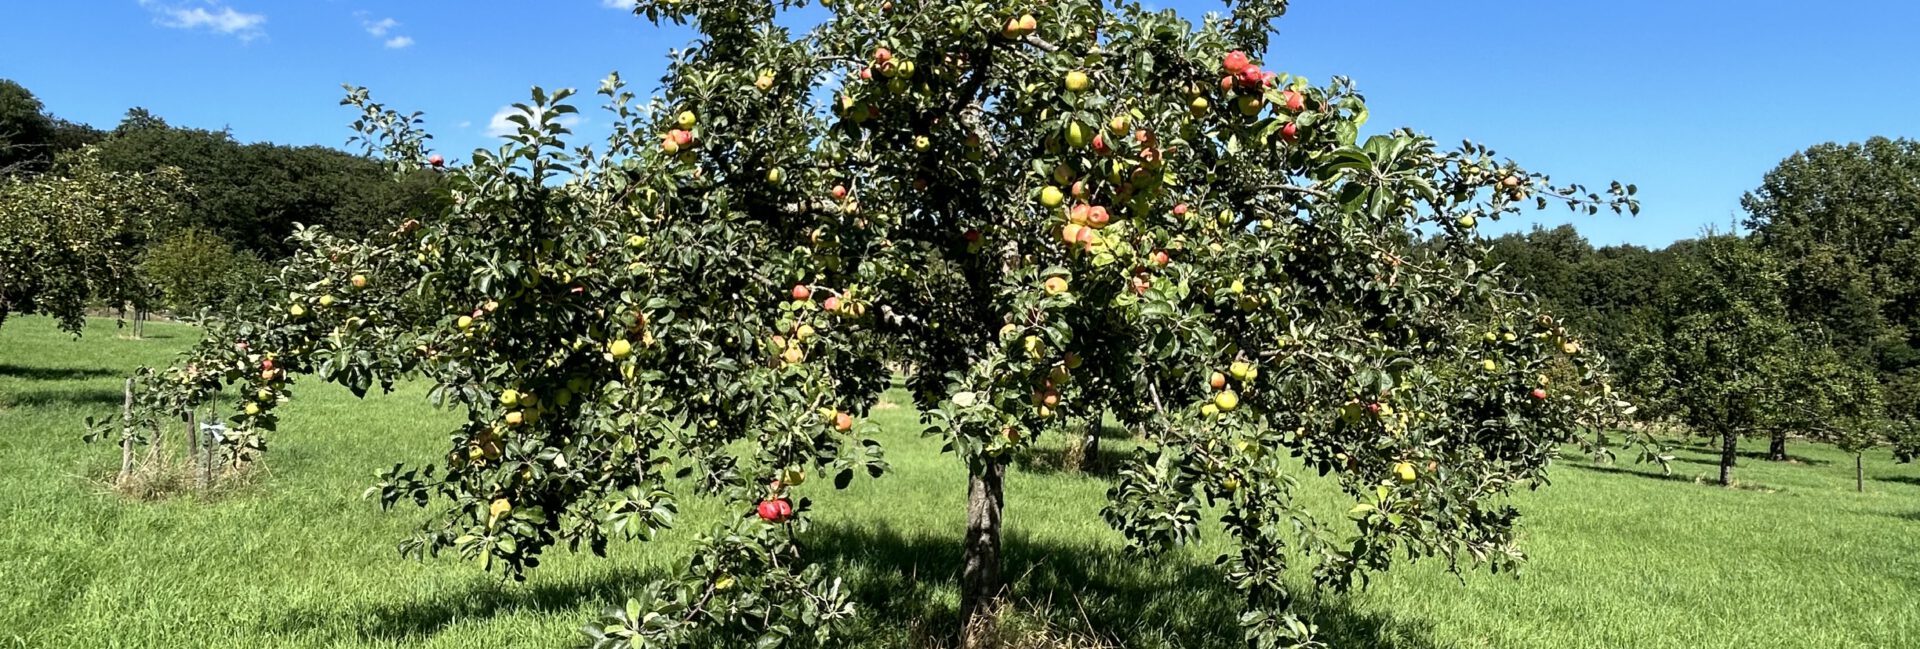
(1142, 278)
(1046, 392)
(896, 74)
(1085, 218)
(792, 343)
(465, 323)
(1567, 346)
(1246, 84)
(1225, 399)
(519, 407)
(1019, 27)
(776, 508)
(679, 138)
(272, 378)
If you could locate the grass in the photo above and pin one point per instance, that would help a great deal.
(1621, 556)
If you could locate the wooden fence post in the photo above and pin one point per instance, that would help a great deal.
(126, 433)
(193, 445)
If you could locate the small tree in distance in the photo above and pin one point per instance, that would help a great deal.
(1045, 211)
(1733, 364)
(72, 235)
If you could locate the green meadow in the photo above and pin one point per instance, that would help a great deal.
(1620, 556)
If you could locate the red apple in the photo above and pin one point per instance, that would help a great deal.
(832, 303)
(839, 192)
(842, 422)
(1160, 258)
(1180, 209)
(1227, 83)
(802, 292)
(1294, 100)
(1290, 132)
(882, 55)
(1234, 62)
(436, 160)
(1097, 217)
(775, 510)
(1252, 76)
(1538, 394)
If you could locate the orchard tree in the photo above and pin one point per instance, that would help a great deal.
(1904, 436)
(1843, 219)
(1732, 361)
(1045, 211)
(25, 130)
(72, 235)
(195, 271)
(1822, 395)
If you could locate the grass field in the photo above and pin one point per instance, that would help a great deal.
(1621, 557)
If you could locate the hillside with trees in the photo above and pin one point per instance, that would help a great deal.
(229, 209)
(1810, 311)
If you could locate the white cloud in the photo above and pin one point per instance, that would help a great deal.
(210, 15)
(498, 124)
(466, 124)
(380, 27)
(626, 5)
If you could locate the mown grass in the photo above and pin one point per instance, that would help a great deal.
(1621, 556)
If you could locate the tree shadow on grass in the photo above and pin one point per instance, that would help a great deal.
(1901, 479)
(1105, 463)
(907, 583)
(1760, 456)
(96, 397)
(1703, 480)
(415, 621)
(1650, 473)
(54, 373)
(905, 586)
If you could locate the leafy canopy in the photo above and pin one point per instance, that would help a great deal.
(1035, 211)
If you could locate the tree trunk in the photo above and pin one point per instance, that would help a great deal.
(1090, 445)
(126, 433)
(980, 584)
(1728, 444)
(140, 324)
(1859, 474)
(1777, 449)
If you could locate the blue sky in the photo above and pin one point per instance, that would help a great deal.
(1691, 100)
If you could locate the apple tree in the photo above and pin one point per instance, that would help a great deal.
(73, 234)
(1042, 211)
(1734, 364)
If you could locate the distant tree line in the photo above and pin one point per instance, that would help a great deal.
(226, 215)
(1805, 323)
